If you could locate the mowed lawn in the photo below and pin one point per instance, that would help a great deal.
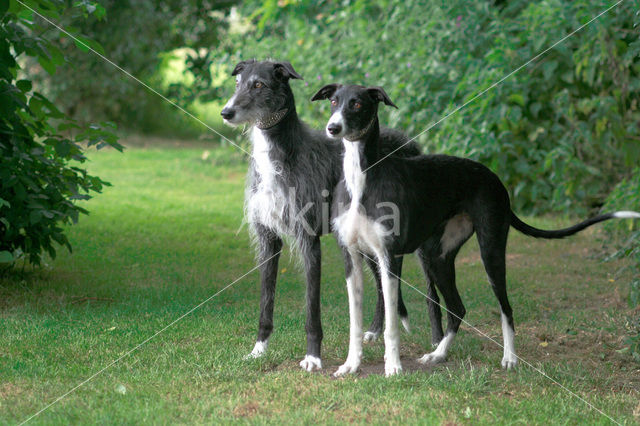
(168, 235)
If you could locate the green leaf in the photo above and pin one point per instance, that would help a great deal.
(100, 12)
(47, 65)
(85, 44)
(54, 112)
(4, 6)
(24, 85)
(34, 217)
(6, 257)
(57, 58)
(517, 98)
(548, 69)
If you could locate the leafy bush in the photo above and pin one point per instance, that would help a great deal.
(559, 132)
(40, 177)
(626, 196)
(136, 36)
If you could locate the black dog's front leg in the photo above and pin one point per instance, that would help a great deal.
(270, 245)
(378, 317)
(312, 257)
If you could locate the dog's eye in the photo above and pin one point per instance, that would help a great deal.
(334, 102)
(257, 85)
(357, 105)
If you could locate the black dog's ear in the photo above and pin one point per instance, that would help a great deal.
(285, 70)
(326, 92)
(241, 65)
(378, 94)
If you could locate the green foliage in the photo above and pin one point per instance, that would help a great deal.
(626, 234)
(40, 147)
(135, 36)
(558, 132)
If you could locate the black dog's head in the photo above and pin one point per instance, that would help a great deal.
(353, 109)
(262, 89)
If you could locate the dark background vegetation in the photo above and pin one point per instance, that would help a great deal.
(563, 133)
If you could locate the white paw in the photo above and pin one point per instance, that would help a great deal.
(346, 368)
(509, 362)
(370, 336)
(405, 324)
(392, 368)
(431, 358)
(258, 350)
(310, 363)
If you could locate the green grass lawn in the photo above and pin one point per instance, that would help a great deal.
(168, 235)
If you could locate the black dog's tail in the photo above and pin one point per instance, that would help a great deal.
(561, 233)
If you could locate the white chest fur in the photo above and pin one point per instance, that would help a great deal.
(353, 174)
(354, 227)
(266, 204)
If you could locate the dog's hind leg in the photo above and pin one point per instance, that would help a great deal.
(312, 262)
(402, 309)
(444, 275)
(433, 301)
(492, 250)
(353, 270)
(270, 246)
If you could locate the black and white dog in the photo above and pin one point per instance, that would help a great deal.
(442, 201)
(291, 178)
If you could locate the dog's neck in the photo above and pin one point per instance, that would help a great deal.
(282, 132)
(361, 133)
(367, 143)
(358, 156)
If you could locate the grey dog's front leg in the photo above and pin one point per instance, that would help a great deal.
(270, 246)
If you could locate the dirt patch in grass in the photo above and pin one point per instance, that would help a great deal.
(247, 410)
(410, 354)
(10, 390)
(592, 349)
(409, 365)
(475, 258)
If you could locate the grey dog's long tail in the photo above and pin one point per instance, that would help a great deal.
(561, 233)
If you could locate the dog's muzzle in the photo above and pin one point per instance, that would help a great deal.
(228, 113)
(334, 129)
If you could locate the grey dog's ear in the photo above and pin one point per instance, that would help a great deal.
(285, 69)
(241, 65)
(377, 93)
(326, 92)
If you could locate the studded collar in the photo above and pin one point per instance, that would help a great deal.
(272, 120)
(357, 136)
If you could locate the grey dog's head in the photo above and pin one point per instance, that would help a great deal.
(262, 89)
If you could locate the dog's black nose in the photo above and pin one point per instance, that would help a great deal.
(334, 128)
(227, 113)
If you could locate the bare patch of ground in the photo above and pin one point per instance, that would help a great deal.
(247, 410)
